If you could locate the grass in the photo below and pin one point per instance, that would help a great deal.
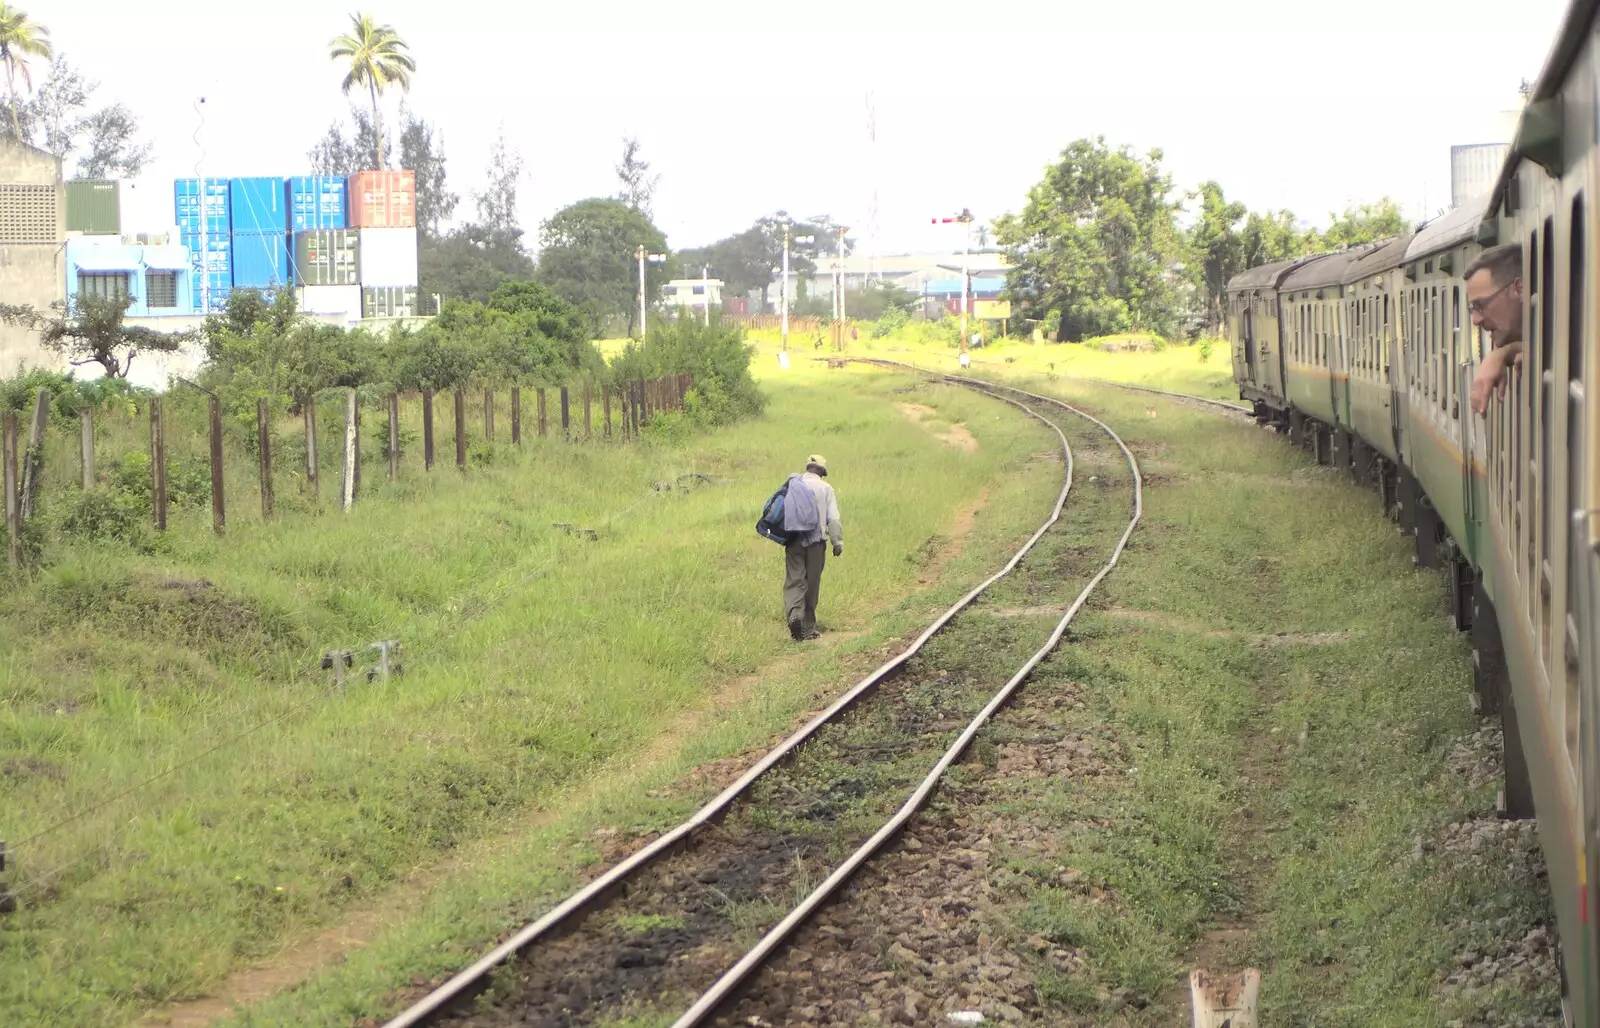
(534, 660)
(1288, 692)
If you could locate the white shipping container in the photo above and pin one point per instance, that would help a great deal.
(388, 256)
(146, 206)
(341, 301)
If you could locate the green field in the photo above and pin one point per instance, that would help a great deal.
(214, 819)
(532, 658)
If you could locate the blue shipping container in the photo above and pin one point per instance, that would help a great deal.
(217, 288)
(316, 202)
(260, 260)
(258, 205)
(219, 254)
(186, 195)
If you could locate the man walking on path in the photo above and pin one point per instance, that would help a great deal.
(811, 517)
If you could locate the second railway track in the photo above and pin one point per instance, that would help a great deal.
(679, 928)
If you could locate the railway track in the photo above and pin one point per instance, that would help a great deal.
(687, 920)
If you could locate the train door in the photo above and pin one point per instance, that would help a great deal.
(1338, 392)
(1249, 321)
(1394, 357)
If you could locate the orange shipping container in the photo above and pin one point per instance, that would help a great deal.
(383, 199)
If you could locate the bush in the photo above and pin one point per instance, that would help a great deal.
(717, 357)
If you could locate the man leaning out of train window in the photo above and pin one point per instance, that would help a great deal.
(1494, 296)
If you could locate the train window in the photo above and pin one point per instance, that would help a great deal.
(1547, 332)
(1435, 339)
(1576, 291)
(1455, 351)
(1388, 331)
(1577, 298)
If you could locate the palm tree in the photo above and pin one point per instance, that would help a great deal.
(19, 40)
(378, 58)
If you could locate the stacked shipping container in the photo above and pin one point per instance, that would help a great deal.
(350, 245)
(383, 207)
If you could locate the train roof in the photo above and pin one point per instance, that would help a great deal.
(1329, 271)
(1378, 258)
(1267, 276)
(1455, 228)
(1540, 124)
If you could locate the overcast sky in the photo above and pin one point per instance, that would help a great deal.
(746, 108)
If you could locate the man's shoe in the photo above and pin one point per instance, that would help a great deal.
(812, 634)
(796, 632)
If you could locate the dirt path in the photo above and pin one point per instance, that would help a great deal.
(958, 436)
(301, 959)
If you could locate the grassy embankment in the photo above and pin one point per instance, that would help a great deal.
(534, 662)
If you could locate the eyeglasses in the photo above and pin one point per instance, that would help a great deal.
(1479, 306)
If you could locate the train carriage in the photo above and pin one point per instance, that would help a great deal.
(1379, 341)
(1257, 335)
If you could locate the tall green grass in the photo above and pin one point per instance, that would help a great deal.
(533, 659)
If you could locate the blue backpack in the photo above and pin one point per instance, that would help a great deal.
(770, 526)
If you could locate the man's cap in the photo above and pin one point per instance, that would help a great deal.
(816, 461)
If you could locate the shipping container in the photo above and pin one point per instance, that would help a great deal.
(329, 257)
(213, 298)
(92, 207)
(316, 202)
(147, 207)
(258, 205)
(260, 260)
(388, 256)
(388, 301)
(336, 301)
(218, 250)
(383, 199)
(187, 195)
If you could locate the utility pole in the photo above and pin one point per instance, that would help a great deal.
(965, 218)
(839, 315)
(644, 254)
(705, 290)
(787, 239)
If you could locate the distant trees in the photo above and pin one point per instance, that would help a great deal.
(20, 38)
(91, 331)
(587, 258)
(638, 185)
(745, 261)
(56, 118)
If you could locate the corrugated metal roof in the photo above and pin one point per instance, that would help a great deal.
(1443, 233)
(1329, 271)
(1267, 276)
(952, 286)
(1381, 257)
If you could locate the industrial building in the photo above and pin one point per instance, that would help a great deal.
(694, 294)
(935, 277)
(33, 232)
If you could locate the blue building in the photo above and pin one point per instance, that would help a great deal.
(159, 279)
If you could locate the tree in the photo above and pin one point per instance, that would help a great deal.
(471, 262)
(343, 155)
(419, 152)
(53, 120)
(113, 148)
(497, 204)
(1098, 242)
(1363, 224)
(588, 257)
(90, 331)
(638, 185)
(378, 59)
(745, 261)
(20, 38)
(1218, 249)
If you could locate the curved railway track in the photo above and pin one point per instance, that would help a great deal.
(545, 935)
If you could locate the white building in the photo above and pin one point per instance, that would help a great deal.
(1474, 169)
(692, 293)
(913, 272)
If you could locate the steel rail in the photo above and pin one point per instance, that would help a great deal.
(712, 999)
(572, 909)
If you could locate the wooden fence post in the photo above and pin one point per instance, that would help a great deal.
(427, 429)
(347, 494)
(219, 513)
(566, 415)
(158, 464)
(33, 457)
(394, 436)
(355, 484)
(605, 401)
(264, 453)
(8, 443)
(310, 409)
(461, 427)
(488, 413)
(86, 424)
(587, 433)
(516, 415)
(539, 395)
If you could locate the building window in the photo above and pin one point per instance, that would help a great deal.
(161, 288)
(112, 286)
(699, 290)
